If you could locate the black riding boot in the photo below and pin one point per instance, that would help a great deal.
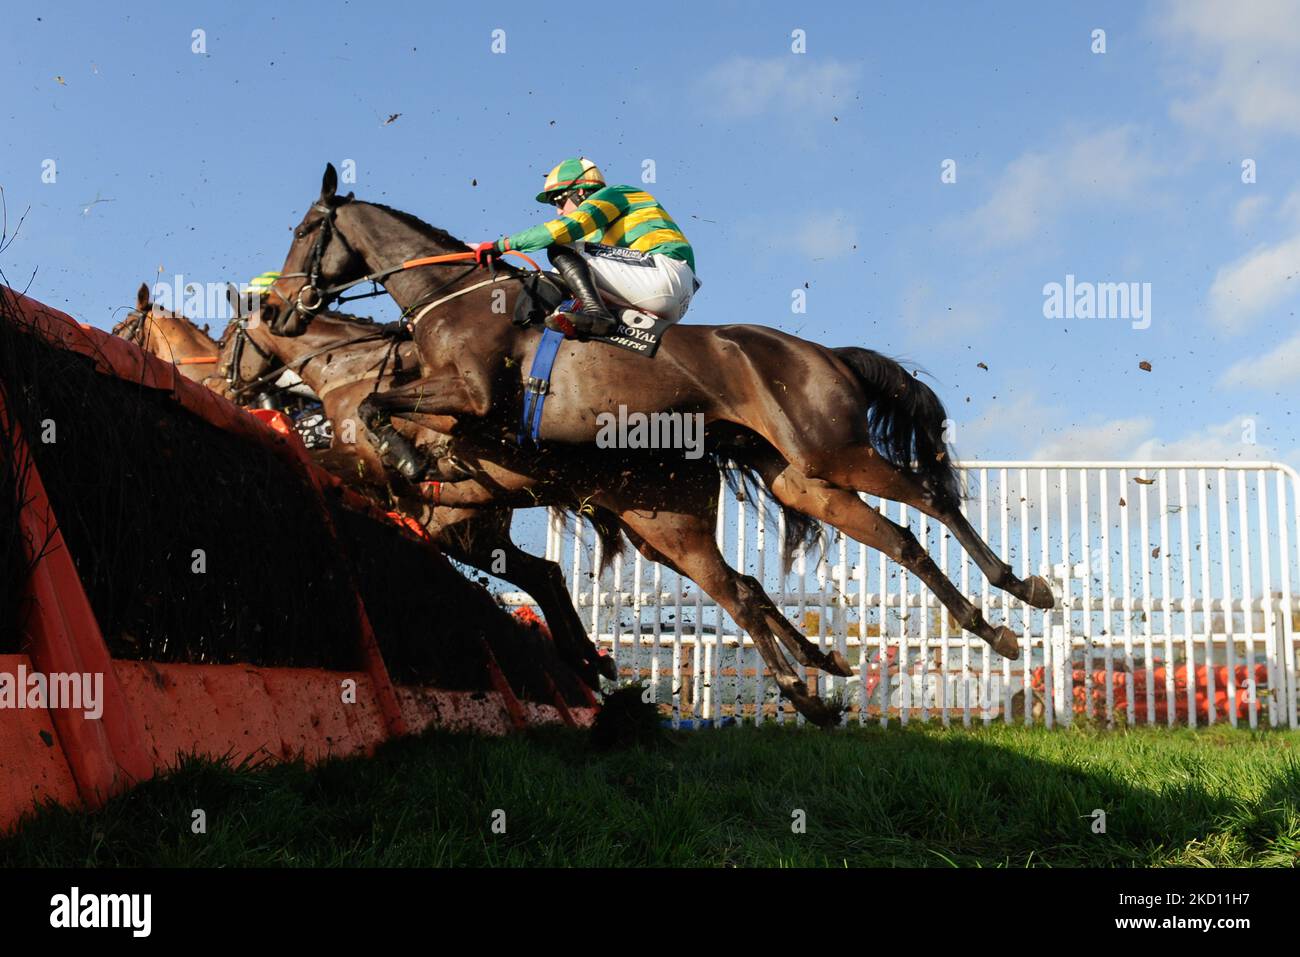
(593, 318)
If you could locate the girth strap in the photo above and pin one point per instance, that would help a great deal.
(538, 385)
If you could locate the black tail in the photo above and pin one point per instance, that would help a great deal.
(906, 422)
(801, 532)
(609, 533)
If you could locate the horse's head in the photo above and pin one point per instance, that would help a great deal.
(242, 355)
(133, 327)
(319, 259)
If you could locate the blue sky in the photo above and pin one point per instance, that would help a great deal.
(783, 168)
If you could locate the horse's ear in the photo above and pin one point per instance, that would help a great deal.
(142, 296)
(232, 297)
(330, 182)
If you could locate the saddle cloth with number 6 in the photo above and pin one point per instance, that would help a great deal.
(638, 331)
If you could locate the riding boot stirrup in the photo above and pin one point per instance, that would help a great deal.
(594, 318)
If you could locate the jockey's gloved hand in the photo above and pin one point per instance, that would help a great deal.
(486, 253)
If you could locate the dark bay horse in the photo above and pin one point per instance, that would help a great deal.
(666, 505)
(171, 337)
(820, 425)
(343, 360)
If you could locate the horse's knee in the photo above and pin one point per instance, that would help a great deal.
(368, 411)
(750, 589)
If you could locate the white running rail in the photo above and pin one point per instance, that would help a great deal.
(1190, 564)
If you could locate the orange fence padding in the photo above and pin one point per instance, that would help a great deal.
(154, 711)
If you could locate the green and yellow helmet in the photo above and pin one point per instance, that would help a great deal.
(261, 283)
(580, 173)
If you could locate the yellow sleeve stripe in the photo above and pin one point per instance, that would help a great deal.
(650, 214)
(647, 215)
(657, 236)
(614, 232)
(585, 222)
(609, 210)
(639, 197)
(558, 229)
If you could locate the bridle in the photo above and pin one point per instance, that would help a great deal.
(234, 375)
(311, 299)
(240, 387)
(135, 330)
(132, 328)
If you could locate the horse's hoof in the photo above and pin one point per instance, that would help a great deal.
(810, 706)
(1006, 643)
(1039, 592)
(816, 711)
(607, 666)
(837, 665)
(586, 673)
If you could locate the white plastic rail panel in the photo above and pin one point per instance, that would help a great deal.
(1175, 603)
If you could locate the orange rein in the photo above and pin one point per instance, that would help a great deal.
(461, 257)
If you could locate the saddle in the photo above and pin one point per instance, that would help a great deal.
(544, 294)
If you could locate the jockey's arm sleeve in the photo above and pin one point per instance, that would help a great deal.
(592, 215)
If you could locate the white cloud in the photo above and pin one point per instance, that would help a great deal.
(1259, 280)
(1246, 212)
(1107, 440)
(1001, 431)
(1133, 439)
(1241, 64)
(1289, 211)
(1276, 368)
(1038, 187)
(747, 86)
(1224, 440)
(1009, 428)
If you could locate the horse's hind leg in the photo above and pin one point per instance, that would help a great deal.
(687, 543)
(863, 469)
(851, 515)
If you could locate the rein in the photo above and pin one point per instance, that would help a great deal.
(319, 298)
(298, 362)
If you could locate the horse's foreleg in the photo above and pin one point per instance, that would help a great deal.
(452, 396)
(852, 516)
(482, 540)
(687, 543)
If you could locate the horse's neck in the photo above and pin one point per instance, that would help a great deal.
(290, 351)
(182, 336)
(385, 240)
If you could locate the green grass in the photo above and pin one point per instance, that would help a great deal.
(916, 796)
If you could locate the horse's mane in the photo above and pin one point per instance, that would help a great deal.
(415, 222)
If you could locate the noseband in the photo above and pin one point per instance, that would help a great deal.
(132, 328)
(311, 299)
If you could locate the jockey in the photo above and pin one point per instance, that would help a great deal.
(261, 283)
(251, 294)
(636, 253)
